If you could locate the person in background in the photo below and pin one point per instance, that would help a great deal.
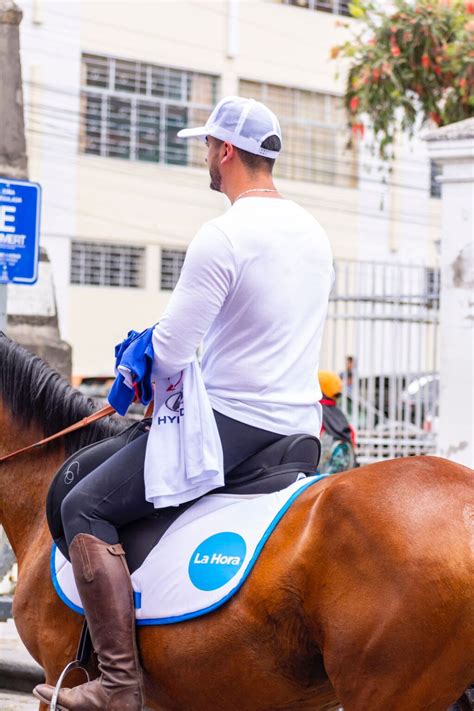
(348, 373)
(337, 435)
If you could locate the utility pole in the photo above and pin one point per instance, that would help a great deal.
(13, 160)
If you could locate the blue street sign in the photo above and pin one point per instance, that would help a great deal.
(20, 207)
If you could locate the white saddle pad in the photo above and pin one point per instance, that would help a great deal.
(201, 560)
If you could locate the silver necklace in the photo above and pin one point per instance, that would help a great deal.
(256, 190)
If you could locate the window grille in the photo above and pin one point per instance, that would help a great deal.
(107, 264)
(435, 186)
(133, 110)
(432, 286)
(171, 263)
(337, 7)
(314, 128)
(96, 72)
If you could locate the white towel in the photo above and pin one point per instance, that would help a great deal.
(184, 458)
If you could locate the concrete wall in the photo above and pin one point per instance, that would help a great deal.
(453, 147)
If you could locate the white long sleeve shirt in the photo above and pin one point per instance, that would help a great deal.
(254, 288)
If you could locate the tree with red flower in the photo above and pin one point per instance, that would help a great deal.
(354, 103)
(412, 65)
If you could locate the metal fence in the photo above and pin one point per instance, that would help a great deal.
(385, 316)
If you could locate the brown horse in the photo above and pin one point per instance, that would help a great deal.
(363, 595)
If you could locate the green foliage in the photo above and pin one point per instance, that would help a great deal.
(415, 64)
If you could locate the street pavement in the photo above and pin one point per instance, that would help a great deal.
(17, 671)
(11, 646)
(16, 701)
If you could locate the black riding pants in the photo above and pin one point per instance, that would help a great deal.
(113, 495)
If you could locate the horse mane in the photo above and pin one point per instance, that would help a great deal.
(35, 392)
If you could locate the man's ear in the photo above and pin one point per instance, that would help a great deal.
(228, 152)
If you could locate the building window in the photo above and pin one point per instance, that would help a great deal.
(432, 287)
(435, 185)
(314, 128)
(133, 110)
(171, 262)
(337, 7)
(107, 264)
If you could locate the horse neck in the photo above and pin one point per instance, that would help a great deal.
(24, 483)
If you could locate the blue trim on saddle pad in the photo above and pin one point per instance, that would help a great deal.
(57, 587)
(137, 596)
(203, 611)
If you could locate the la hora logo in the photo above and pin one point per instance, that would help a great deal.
(217, 560)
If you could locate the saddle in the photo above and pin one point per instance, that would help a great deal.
(272, 469)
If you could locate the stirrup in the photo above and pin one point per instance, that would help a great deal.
(84, 650)
(76, 664)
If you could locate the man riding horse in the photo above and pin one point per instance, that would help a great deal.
(254, 288)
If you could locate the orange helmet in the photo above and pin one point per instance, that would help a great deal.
(330, 383)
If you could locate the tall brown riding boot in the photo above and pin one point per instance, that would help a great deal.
(104, 585)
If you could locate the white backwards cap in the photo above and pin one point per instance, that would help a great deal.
(245, 123)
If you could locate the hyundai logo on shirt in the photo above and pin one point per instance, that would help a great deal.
(216, 560)
(174, 402)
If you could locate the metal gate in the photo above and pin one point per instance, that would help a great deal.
(385, 317)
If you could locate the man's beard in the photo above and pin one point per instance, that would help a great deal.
(216, 180)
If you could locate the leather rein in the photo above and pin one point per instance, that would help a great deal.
(104, 412)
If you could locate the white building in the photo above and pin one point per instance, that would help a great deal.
(108, 85)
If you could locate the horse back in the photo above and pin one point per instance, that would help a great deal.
(403, 518)
(414, 509)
